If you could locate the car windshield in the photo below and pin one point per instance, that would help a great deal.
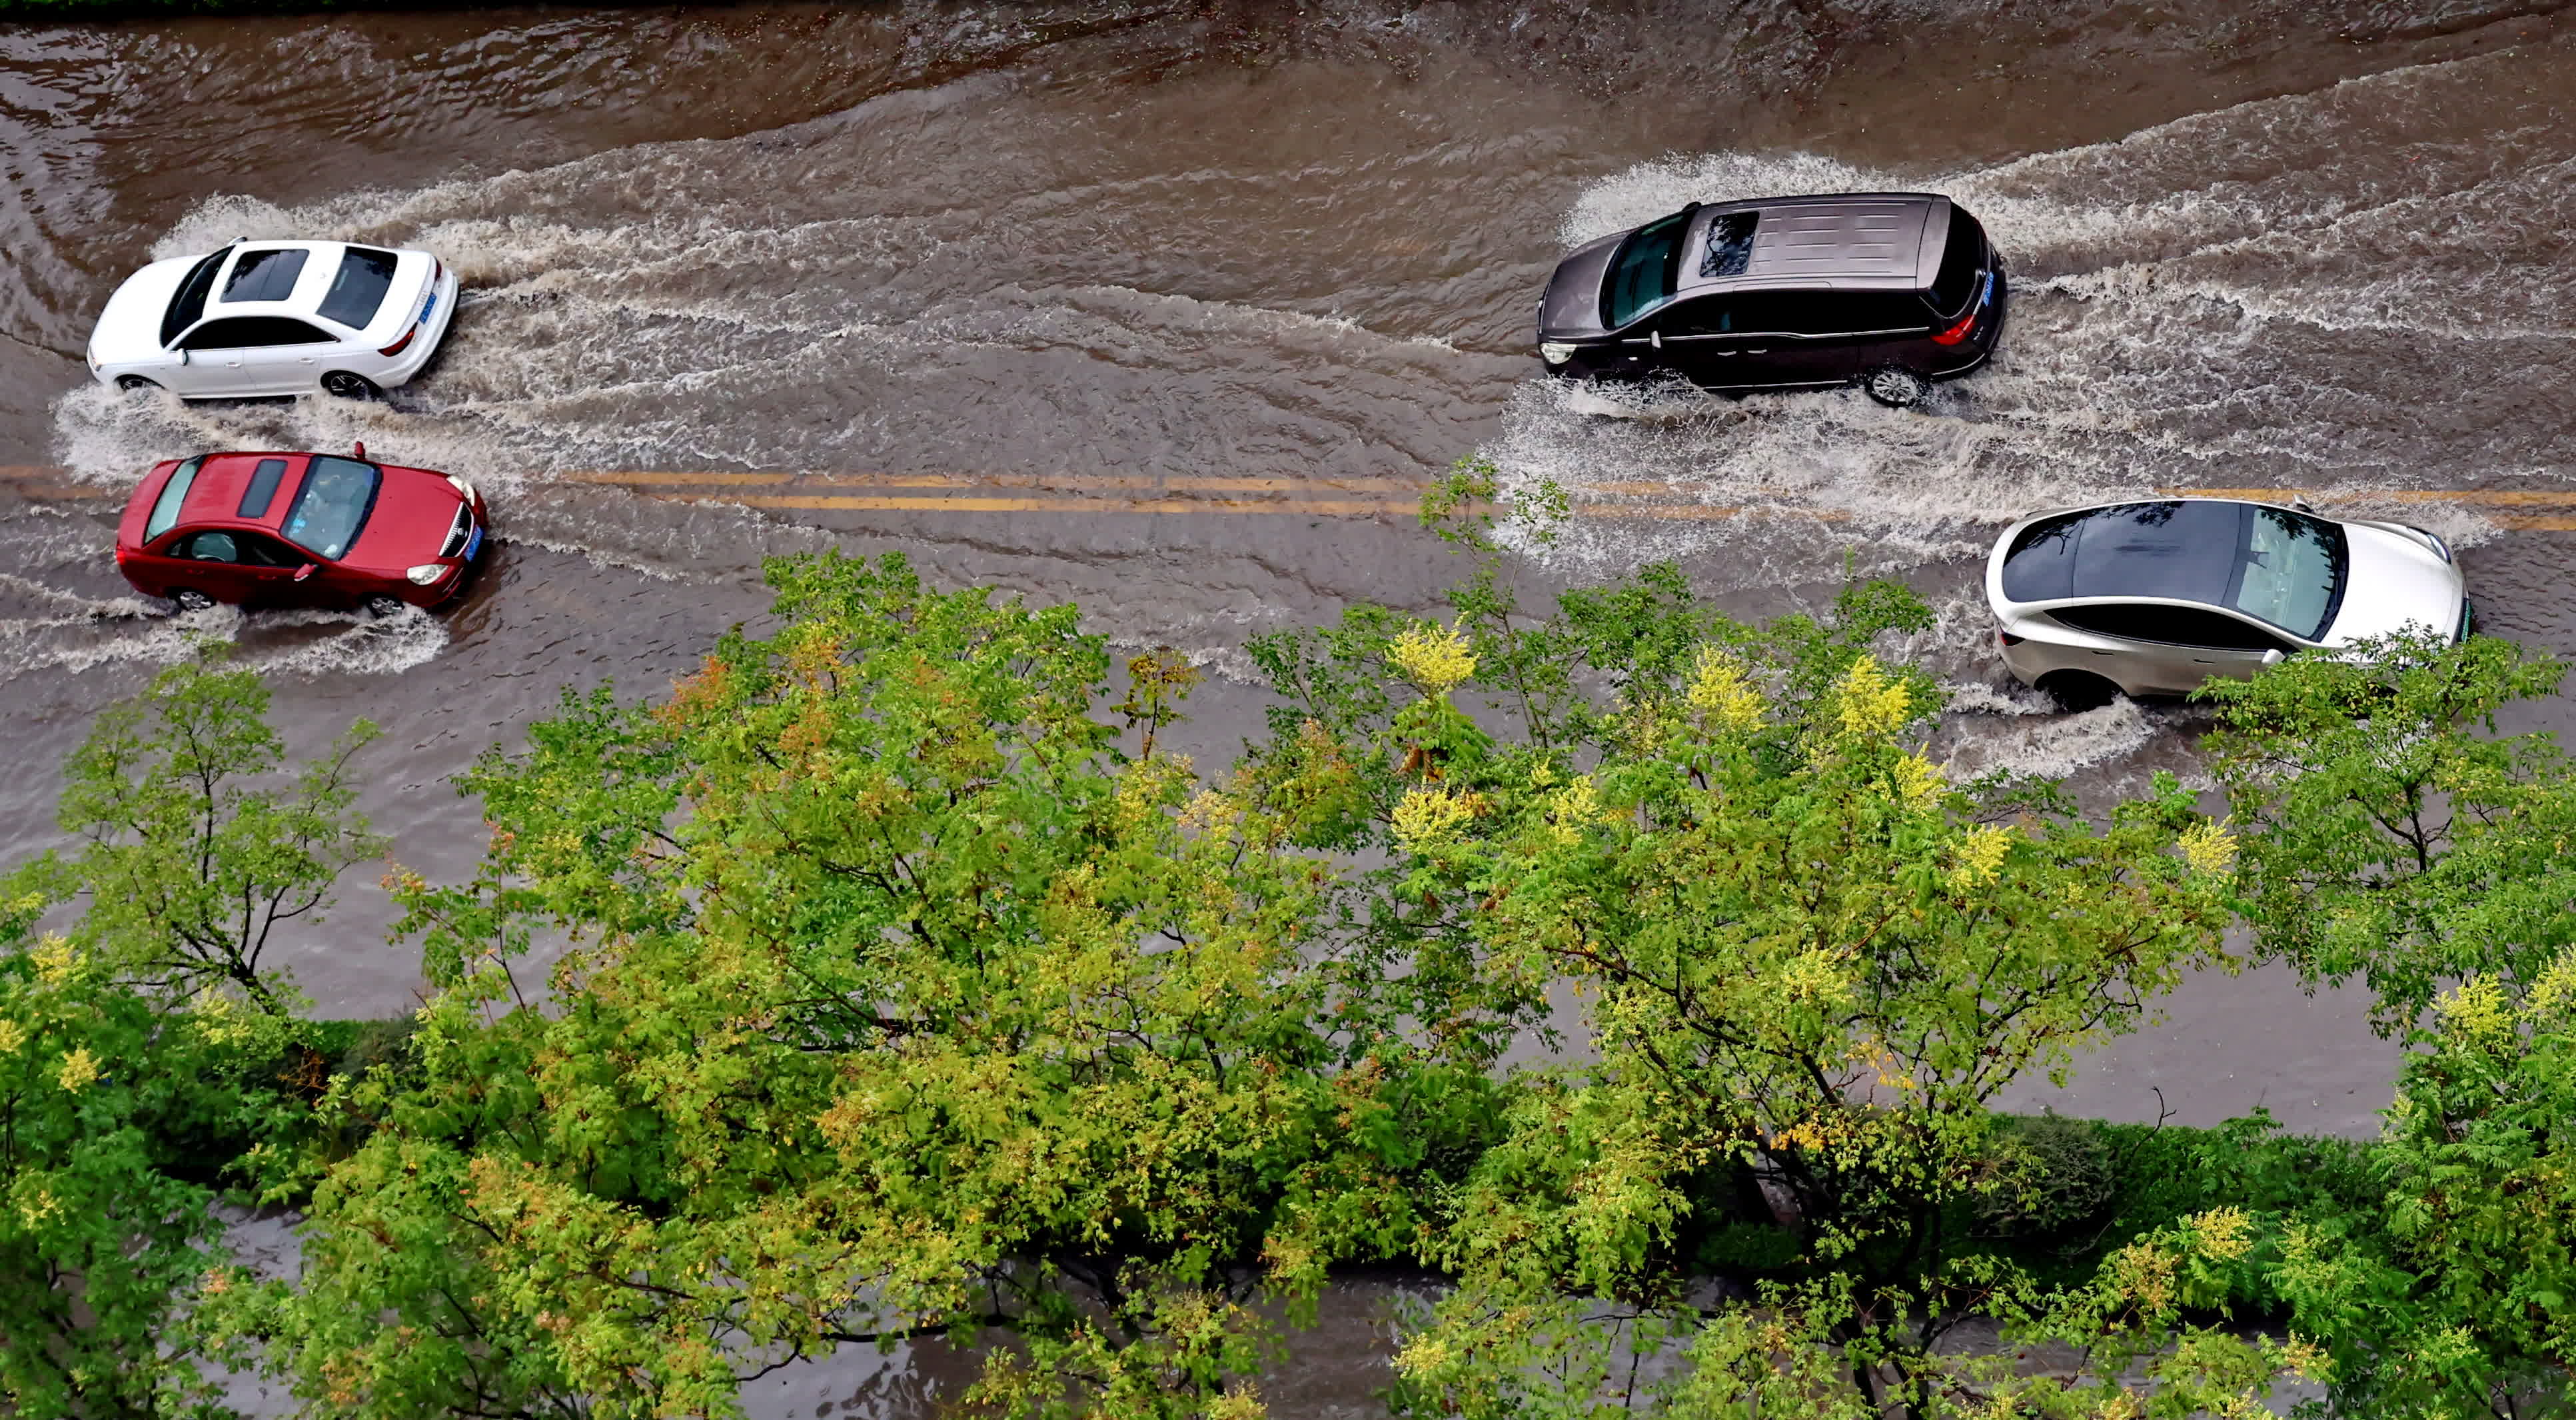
(2283, 567)
(358, 288)
(1642, 276)
(190, 301)
(332, 505)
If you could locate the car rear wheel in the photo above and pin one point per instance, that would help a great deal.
(1895, 386)
(2078, 690)
(381, 605)
(342, 384)
(136, 384)
(190, 599)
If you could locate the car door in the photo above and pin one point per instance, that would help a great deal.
(210, 561)
(1697, 338)
(218, 355)
(1790, 337)
(274, 573)
(2173, 649)
(1877, 328)
(288, 358)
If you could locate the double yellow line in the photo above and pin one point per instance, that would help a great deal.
(2527, 510)
(1331, 497)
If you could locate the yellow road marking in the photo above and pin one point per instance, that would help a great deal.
(1071, 481)
(2491, 497)
(1079, 493)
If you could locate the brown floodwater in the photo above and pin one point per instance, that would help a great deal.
(1020, 281)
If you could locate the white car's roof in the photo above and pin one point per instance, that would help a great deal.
(129, 329)
(2390, 577)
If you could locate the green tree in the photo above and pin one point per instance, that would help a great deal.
(191, 852)
(1803, 966)
(897, 1004)
(2390, 832)
(147, 1068)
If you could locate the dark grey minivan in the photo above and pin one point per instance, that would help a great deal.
(1892, 289)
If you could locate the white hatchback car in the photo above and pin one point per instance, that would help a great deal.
(272, 318)
(2155, 598)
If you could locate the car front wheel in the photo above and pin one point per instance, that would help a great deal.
(136, 384)
(382, 605)
(1895, 386)
(342, 384)
(2078, 690)
(190, 599)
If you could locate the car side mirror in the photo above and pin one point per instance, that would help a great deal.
(183, 355)
(308, 569)
(1657, 337)
(2274, 657)
(358, 451)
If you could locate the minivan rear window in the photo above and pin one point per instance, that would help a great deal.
(1644, 273)
(165, 509)
(358, 288)
(1963, 260)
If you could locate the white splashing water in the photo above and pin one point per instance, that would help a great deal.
(2329, 291)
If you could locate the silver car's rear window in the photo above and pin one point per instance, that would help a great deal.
(2282, 566)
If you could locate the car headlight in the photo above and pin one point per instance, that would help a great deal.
(93, 361)
(462, 487)
(1555, 352)
(427, 572)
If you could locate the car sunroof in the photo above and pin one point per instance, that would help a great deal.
(267, 274)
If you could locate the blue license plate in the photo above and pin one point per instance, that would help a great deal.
(473, 543)
(430, 306)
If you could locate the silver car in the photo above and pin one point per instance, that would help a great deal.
(2155, 598)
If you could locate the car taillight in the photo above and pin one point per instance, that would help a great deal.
(397, 347)
(2006, 638)
(1958, 332)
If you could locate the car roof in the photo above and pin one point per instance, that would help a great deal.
(216, 495)
(1854, 240)
(321, 261)
(2167, 549)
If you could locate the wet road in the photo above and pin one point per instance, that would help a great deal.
(1168, 309)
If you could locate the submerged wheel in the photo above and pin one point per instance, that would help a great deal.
(1894, 386)
(136, 384)
(190, 599)
(2078, 690)
(383, 605)
(342, 384)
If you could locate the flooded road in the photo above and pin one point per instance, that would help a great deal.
(1169, 309)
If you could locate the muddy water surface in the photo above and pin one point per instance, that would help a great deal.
(1168, 309)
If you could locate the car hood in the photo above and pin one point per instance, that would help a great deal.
(2394, 582)
(130, 327)
(414, 509)
(1572, 307)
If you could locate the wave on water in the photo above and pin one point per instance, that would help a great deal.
(2339, 291)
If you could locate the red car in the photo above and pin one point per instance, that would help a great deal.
(266, 530)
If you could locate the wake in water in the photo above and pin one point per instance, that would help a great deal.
(2338, 291)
